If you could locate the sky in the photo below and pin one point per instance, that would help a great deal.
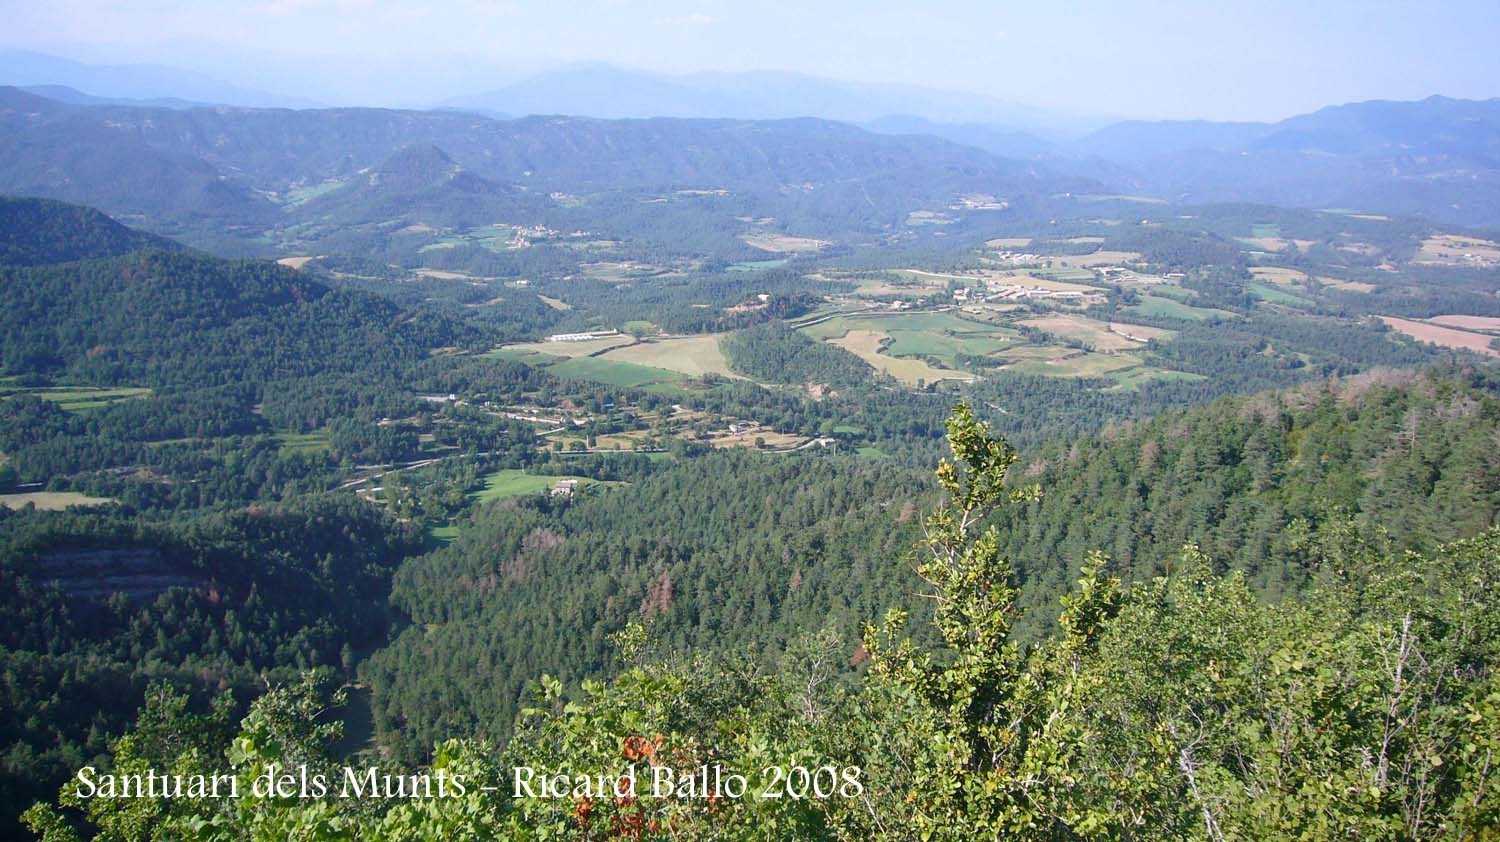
(1228, 60)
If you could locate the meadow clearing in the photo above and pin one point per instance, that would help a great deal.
(51, 501)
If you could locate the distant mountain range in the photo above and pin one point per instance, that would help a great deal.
(614, 93)
(237, 172)
(135, 82)
(1438, 158)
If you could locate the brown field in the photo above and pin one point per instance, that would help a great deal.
(1041, 353)
(554, 303)
(1279, 275)
(1483, 324)
(1095, 333)
(746, 438)
(782, 243)
(1350, 286)
(1445, 337)
(865, 344)
(296, 262)
(694, 356)
(1141, 332)
(51, 501)
(1008, 242)
(1449, 249)
(1025, 280)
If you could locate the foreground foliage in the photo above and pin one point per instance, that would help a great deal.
(1184, 708)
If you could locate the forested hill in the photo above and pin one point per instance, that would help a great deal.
(219, 168)
(156, 318)
(738, 553)
(38, 231)
(729, 552)
(1412, 454)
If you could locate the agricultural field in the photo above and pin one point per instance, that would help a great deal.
(1276, 245)
(925, 333)
(621, 271)
(694, 356)
(1133, 378)
(948, 347)
(758, 265)
(51, 501)
(612, 372)
(303, 443)
(555, 303)
(1074, 363)
(445, 275)
(1347, 286)
(1153, 306)
(1446, 337)
(1141, 333)
(1279, 275)
(1284, 277)
(994, 279)
(783, 243)
(1089, 261)
(296, 262)
(1481, 324)
(1454, 250)
(866, 344)
(74, 398)
(514, 482)
(1096, 334)
(746, 438)
(1276, 295)
(585, 348)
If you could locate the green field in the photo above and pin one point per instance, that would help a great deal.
(514, 482)
(947, 347)
(1132, 378)
(306, 443)
(757, 265)
(1278, 296)
(299, 196)
(612, 372)
(1265, 230)
(1165, 308)
(1174, 292)
(487, 237)
(918, 336)
(1079, 365)
(1065, 274)
(76, 398)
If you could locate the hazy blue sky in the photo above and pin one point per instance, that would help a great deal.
(1224, 60)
